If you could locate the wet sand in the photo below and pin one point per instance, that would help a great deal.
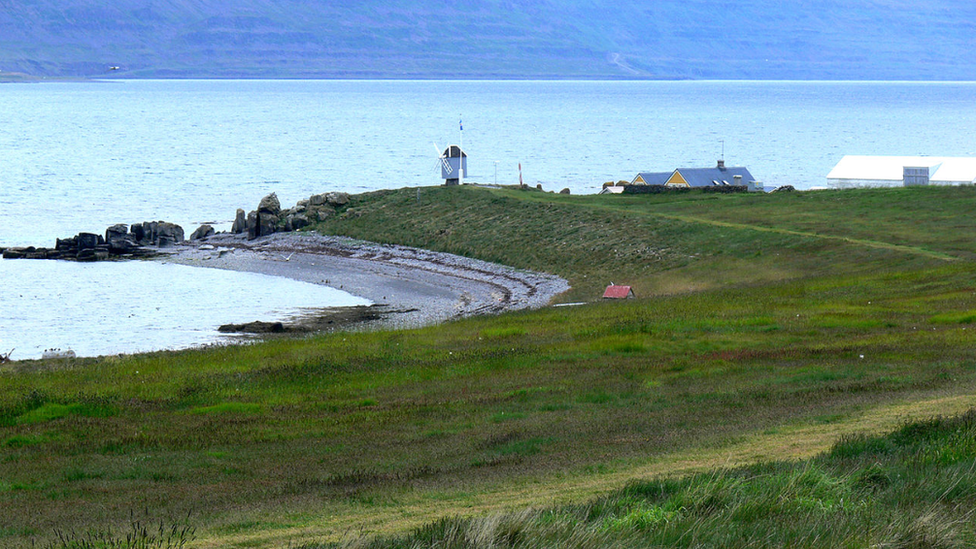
(408, 286)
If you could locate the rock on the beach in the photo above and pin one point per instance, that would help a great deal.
(267, 224)
(170, 231)
(270, 205)
(88, 241)
(240, 222)
(138, 232)
(252, 225)
(119, 240)
(203, 231)
(116, 232)
(318, 199)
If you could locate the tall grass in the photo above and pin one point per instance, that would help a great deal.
(915, 487)
(137, 534)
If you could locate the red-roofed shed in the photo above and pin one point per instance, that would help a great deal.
(618, 292)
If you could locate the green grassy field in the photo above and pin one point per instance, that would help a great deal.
(912, 488)
(768, 328)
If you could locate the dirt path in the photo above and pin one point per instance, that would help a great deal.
(860, 242)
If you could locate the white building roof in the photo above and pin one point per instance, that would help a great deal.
(891, 168)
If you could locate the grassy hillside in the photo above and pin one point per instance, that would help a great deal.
(760, 336)
(669, 244)
(751, 39)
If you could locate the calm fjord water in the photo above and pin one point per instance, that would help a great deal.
(81, 156)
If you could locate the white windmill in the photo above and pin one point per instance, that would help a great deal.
(454, 161)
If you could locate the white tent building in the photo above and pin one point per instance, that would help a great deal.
(901, 171)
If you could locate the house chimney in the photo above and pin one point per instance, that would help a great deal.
(721, 164)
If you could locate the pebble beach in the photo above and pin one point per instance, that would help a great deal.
(409, 286)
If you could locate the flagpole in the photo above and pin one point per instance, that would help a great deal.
(461, 154)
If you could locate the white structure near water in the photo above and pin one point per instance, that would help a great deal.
(901, 171)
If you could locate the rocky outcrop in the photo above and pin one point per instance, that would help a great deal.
(270, 218)
(145, 238)
(120, 241)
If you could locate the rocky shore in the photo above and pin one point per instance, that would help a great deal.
(409, 287)
(144, 239)
(120, 242)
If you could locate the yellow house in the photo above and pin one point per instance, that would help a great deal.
(700, 177)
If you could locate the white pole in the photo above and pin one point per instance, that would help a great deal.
(461, 146)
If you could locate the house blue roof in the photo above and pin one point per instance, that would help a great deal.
(710, 177)
(659, 178)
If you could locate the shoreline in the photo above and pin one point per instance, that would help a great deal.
(409, 287)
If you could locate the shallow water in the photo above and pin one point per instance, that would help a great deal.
(123, 307)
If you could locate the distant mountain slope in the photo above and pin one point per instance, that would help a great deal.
(762, 39)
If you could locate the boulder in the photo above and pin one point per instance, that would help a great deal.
(116, 231)
(172, 232)
(337, 199)
(118, 239)
(202, 232)
(318, 200)
(252, 225)
(240, 222)
(267, 224)
(296, 221)
(66, 244)
(138, 232)
(144, 233)
(564, 191)
(87, 241)
(270, 205)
